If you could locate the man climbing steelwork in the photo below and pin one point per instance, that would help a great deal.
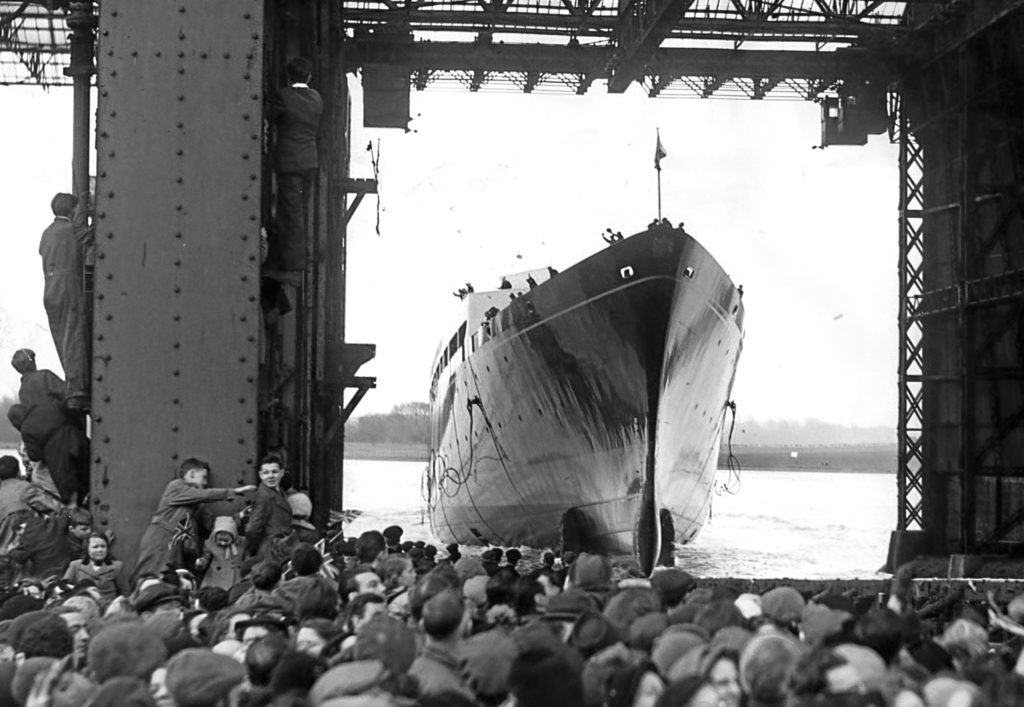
(62, 249)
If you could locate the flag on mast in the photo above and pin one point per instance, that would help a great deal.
(659, 153)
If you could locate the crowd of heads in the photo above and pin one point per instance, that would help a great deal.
(376, 620)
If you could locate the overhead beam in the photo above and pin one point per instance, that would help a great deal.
(594, 61)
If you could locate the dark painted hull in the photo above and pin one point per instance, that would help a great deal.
(590, 416)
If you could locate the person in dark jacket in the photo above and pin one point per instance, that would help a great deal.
(271, 517)
(62, 249)
(51, 436)
(173, 528)
(36, 386)
(43, 549)
(295, 112)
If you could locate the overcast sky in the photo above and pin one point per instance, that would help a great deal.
(491, 183)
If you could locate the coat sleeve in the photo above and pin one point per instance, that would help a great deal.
(39, 500)
(185, 495)
(121, 580)
(71, 573)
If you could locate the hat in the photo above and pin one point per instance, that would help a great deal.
(869, 666)
(940, 690)
(731, 637)
(593, 631)
(346, 679)
(590, 572)
(672, 584)
(820, 622)
(156, 594)
(273, 620)
(766, 663)
(125, 649)
(670, 647)
(442, 612)
(749, 605)
(783, 604)
(966, 635)
(475, 589)
(225, 524)
(467, 567)
(486, 660)
(392, 533)
(645, 629)
(198, 677)
(388, 640)
(300, 505)
(568, 605)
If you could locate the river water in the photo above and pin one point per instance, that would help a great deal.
(807, 525)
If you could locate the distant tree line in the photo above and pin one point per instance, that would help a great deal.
(408, 423)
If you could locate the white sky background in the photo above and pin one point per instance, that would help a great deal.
(492, 183)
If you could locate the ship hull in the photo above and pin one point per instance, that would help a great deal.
(587, 414)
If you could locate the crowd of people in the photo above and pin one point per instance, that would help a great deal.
(263, 608)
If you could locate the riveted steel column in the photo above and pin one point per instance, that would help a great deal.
(179, 132)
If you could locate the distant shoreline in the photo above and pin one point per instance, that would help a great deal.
(860, 459)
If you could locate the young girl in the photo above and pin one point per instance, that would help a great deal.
(106, 573)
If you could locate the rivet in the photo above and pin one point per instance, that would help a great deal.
(110, 276)
(177, 289)
(181, 35)
(159, 54)
(97, 419)
(110, 235)
(177, 261)
(104, 92)
(254, 136)
(110, 195)
(241, 440)
(227, 55)
(181, 69)
(177, 344)
(178, 234)
(106, 398)
(180, 126)
(181, 9)
(245, 278)
(105, 32)
(176, 401)
(246, 76)
(174, 428)
(99, 295)
(113, 13)
(97, 460)
(243, 318)
(179, 153)
(99, 377)
(109, 317)
(251, 299)
(110, 52)
(106, 440)
(248, 379)
(99, 337)
(249, 420)
(252, 258)
(179, 207)
(254, 96)
(245, 237)
(180, 180)
(255, 35)
(174, 456)
(244, 157)
(175, 372)
(241, 359)
(241, 401)
(176, 317)
(113, 72)
(245, 116)
(101, 255)
(101, 214)
(110, 154)
(202, 55)
(181, 55)
(249, 461)
(181, 96)
(252, 217)
(252, 177)
(103, 174)
(250, 339)
(113, 114)
(247, 16)
(245, 197)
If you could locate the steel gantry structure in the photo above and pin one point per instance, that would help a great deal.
(951, 71)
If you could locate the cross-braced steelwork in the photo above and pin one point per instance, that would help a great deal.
(910, 460)
(34, 45)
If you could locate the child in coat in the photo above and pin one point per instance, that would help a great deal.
(222, 556)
